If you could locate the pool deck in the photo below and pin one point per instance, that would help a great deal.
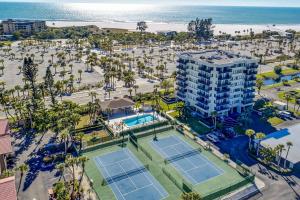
(115, 122)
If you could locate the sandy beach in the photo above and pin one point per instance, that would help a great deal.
(154, 27)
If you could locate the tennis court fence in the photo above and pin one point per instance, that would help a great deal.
(134, 141)
(180, 184)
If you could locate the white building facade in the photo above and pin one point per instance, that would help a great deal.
(216, 80)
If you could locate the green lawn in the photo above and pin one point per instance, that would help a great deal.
(282, 94)
(84, 121)
(191, 122)
(274, 121)
(273, 75)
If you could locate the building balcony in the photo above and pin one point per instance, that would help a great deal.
(181, 84)
(249, 91)
(205, 69)
(203, 94)
(222, 90)
(203, 106)
(249, 84)
(202, 100)
(181, 67)
(204, 88)
(181, 72)
(249, 96)
(250, 78)
(180, 95)
(182, 61)
(221, 108)
(247, 101)
(204, 82)
(223, 84)
(181, 78)
(222, 77)
(224, 96)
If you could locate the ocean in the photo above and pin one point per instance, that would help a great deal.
(100, 12)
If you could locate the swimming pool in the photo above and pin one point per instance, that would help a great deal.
(138, 120)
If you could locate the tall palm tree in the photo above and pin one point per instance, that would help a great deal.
(214, 115)
(279, 149)
(250, 133)
(259, 136)
(22, 169)
(61, 168)
(64, 137)
(82, 160)
(289, 145)
(287, 97)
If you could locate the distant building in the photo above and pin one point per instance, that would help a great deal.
(5, 144)
(27, 27)
(7, 184)
(167, 33)
(216, 80)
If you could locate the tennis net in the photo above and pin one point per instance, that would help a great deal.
(182, 156)
(124, 175)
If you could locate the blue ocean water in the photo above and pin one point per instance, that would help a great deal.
(153, 13)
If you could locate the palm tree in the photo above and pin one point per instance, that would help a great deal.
(22, 169)
(259, 84)
(214, 115)
(279, 149)
(250, 133)
(287, 97)
(135, 87)
(64, 137)
(259, 136)
(61, 168)
(289, 145)
(80, 74)
(82, 160)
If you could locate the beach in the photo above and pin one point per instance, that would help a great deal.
(155, 27)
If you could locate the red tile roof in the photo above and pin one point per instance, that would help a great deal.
(5, 145)
(3, 127)
(8, 189)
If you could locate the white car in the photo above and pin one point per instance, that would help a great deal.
(212, 138)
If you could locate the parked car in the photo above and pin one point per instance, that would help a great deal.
(284, 114)
(212, 138)
(229, 132)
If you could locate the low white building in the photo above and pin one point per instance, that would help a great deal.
(289, 134)
(280, 105)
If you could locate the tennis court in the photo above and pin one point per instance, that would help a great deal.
(186, 159)
(127, 177)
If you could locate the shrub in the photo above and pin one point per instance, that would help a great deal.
(277, 70)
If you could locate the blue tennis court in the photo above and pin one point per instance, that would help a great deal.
(128, 178)
(186, 159)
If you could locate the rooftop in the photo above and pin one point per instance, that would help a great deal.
(290, 134)
(3, 126)
(5, 145)
(8, 188)
(117, 103)
(217, 57)
(21, 21)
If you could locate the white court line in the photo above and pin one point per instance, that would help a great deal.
(114, 184)
(177, 167)
(132, 156)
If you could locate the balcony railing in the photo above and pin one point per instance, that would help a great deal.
(222, 90)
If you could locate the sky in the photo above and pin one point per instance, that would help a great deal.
(268, 3)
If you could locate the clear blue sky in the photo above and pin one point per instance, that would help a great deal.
(278, 3)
